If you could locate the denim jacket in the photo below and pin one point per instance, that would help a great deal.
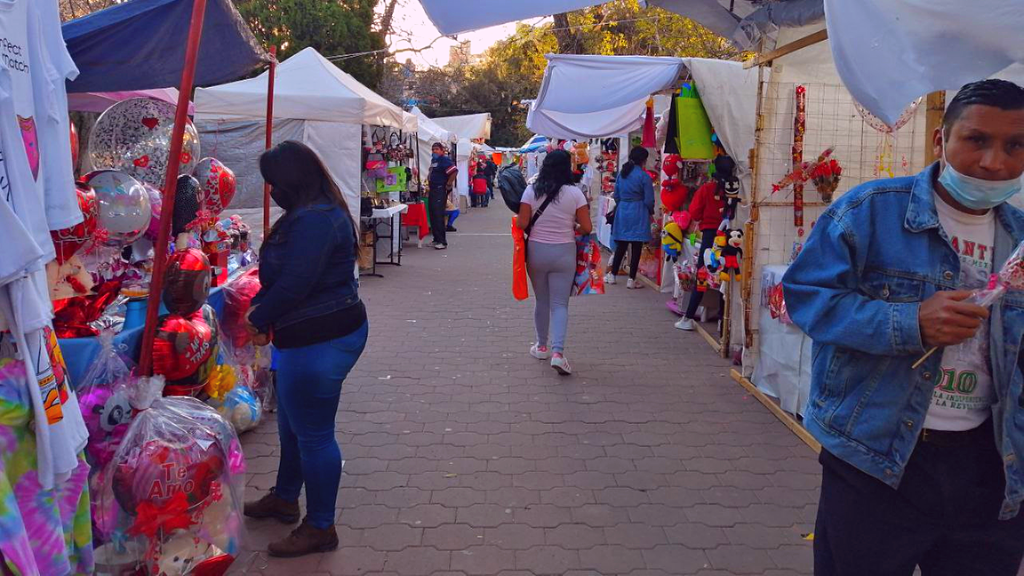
(307, 267)
(856, 290)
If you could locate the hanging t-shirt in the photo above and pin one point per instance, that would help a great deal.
(963, 393)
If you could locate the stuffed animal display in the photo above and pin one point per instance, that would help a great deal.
(672, 241)
(732, 252)
(713, 258)
(728, 186)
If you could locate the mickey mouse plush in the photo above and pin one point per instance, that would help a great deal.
(731, 254)
(728, 185)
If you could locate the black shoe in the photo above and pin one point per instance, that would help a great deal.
(451, 229)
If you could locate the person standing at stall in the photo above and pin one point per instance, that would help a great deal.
(309, 307)
(921, 459)
(634, 206)
(440, 182)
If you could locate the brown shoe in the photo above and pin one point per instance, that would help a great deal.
(273, 506)
(306, 539)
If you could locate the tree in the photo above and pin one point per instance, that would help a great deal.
(332, 27)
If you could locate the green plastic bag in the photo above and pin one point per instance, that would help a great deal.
(694, 127)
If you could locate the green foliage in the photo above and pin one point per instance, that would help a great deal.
(332, 27)
(512, 70)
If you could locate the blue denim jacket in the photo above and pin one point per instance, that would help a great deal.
(307, 267)
(856, 290)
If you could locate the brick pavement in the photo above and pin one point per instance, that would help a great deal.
(466, 456)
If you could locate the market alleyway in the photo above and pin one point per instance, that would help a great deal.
(464, 455)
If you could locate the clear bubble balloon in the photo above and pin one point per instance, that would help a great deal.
(123, 207)
(134, 136)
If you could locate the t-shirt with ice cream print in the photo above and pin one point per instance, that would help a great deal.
(963, 391)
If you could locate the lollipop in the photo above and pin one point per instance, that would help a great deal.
(1009, 277)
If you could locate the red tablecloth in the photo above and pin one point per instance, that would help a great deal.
(417, 216)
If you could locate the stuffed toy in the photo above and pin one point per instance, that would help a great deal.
(713, 257)
(728, 187)
(682, 219)
(672, 241)
(732, 252)
(702, 280)
(673, 194)
(673, 163)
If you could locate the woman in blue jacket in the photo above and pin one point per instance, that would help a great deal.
(309, 307)
(634, 206)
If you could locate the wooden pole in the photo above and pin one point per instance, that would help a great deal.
(188, 74)
(270, 136)
(934, 110)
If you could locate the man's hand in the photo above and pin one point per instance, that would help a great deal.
(946, 320)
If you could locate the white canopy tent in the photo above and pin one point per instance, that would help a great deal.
(321, 106)
(591, 96)
(469, 127)
(429, 132)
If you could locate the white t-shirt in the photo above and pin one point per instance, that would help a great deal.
(557, 225)
(963, 394)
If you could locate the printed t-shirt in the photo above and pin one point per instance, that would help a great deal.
(557, 225)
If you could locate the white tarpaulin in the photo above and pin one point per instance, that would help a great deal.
(307, 87)
(890, 52)
(469, 127)
(591, 96)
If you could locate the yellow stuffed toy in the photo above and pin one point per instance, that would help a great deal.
(672, 241)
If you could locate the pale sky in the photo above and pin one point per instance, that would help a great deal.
(411, 17)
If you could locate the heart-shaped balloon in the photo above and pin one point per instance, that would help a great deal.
(187, 282)
(70, 240)
(184, 344)
(217, 184)
(162, 468)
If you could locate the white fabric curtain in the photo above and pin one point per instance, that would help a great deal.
(890, 52)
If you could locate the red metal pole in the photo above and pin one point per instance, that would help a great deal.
(188, 74)
(270, 136)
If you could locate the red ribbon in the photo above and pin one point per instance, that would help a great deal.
(151, 519)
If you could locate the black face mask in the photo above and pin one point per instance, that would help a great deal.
(281, 197)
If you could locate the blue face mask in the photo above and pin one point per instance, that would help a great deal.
(435, 156)
(976, 193)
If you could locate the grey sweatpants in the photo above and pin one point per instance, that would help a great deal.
(552, 268)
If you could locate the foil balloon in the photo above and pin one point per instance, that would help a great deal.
(122, 207)
(187, 282)
(187, 202)
(156, 204)
(163, 467)
(217, 185)
(184, 345)
(69, 240)
(134, 136)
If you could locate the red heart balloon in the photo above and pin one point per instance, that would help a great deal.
(141, 162)
(163, 467)
(183, 345)
(217, 183)
(150, 122)
(70, 240)
(186, 282)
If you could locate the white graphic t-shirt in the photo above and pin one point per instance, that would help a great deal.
(963, 392)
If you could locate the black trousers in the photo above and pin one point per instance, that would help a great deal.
(707, 240)
(634, 257)
(943, 518)
(438, 199)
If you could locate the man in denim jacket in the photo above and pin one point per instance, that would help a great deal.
(921, 465)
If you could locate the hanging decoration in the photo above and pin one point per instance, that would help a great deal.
(824, 173)
(886, 152)
(799, 129)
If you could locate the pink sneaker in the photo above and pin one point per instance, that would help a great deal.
(561, 364)
(540, 352)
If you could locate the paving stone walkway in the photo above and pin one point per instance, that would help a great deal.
(464, 455)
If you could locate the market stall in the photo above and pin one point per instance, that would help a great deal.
(471, 129)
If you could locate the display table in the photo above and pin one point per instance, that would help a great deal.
(417, 217)
(386, 218)
(783, 368)
(80, 352)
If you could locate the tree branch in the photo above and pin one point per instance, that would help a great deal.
(416, 50)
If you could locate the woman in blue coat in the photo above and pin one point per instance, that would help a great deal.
(634, 206)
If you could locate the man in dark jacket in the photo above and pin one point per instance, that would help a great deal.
(440, 181)
(490, 171)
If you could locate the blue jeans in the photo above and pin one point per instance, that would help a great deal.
(308, 392)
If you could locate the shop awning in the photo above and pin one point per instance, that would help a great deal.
(890, 52)
(140, 45)
(469, 126)
(430, 131)
(100, 101)
(535, 144)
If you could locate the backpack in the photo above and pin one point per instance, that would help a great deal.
(511, 184)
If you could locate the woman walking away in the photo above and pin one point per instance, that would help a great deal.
(634, 206)
(309, 306)
(551, 213)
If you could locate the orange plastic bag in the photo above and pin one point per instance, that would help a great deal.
(520, 285)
